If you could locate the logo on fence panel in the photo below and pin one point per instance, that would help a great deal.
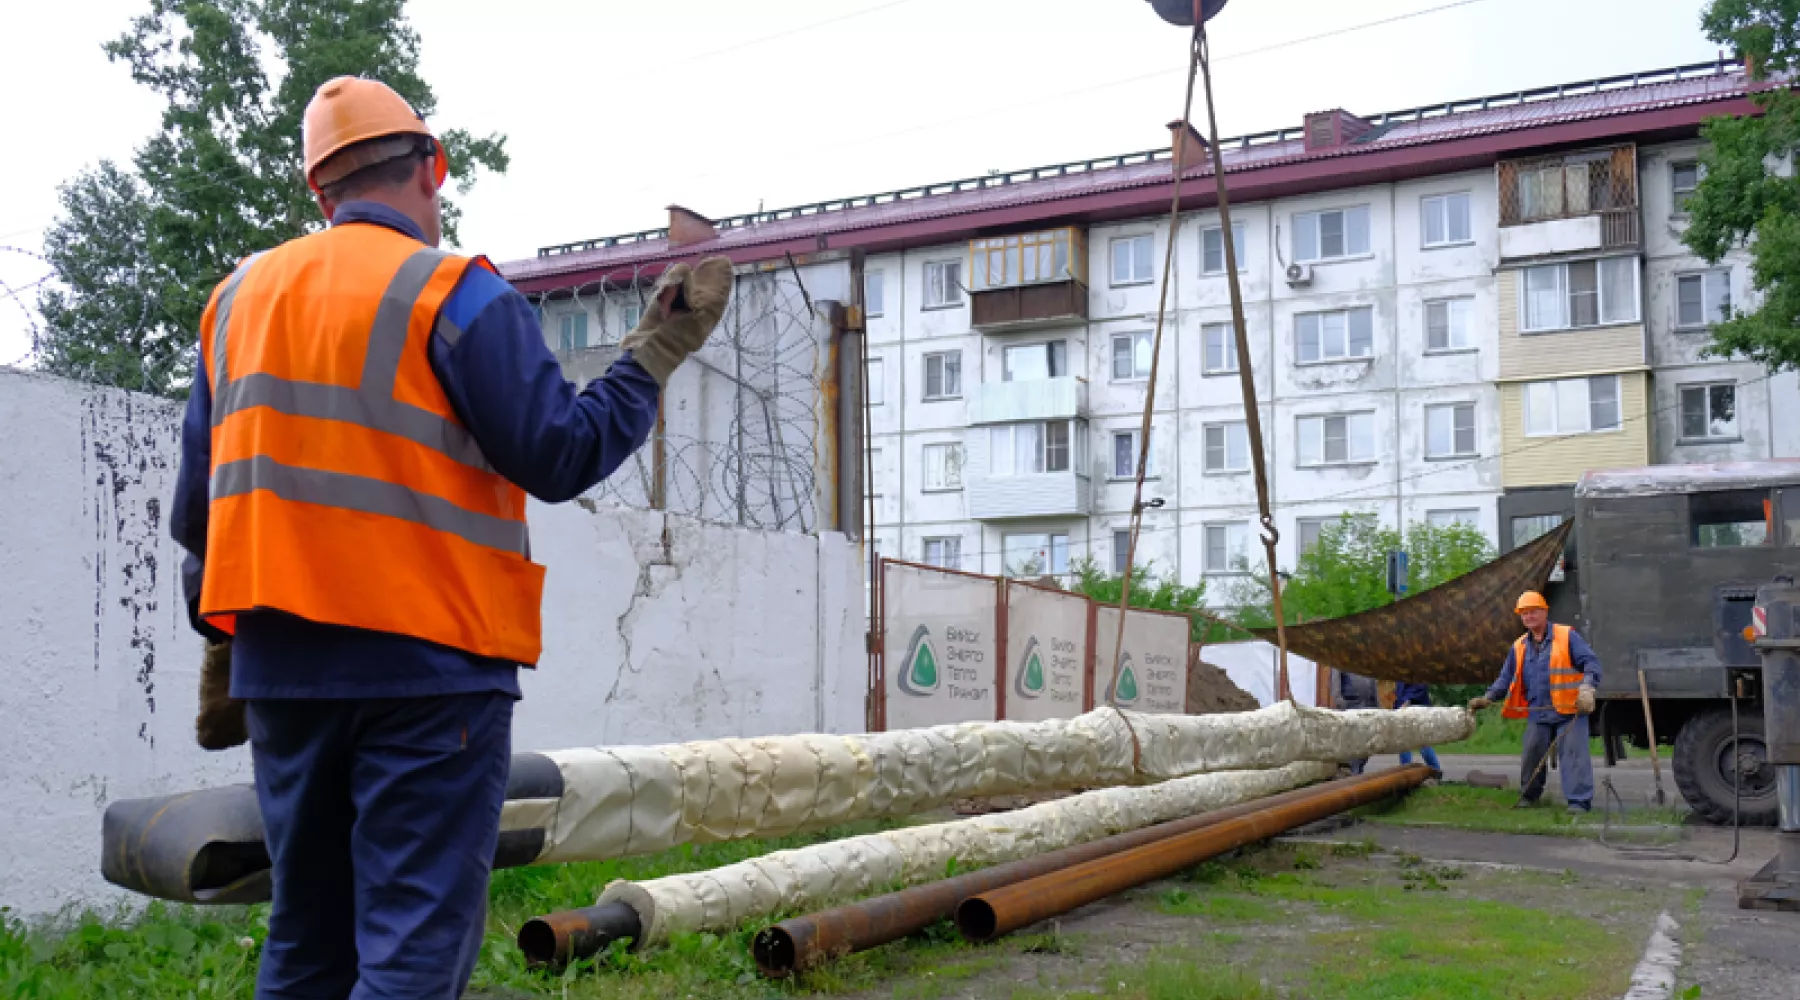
(1029, 682)
(919, 671)
(1125, 689)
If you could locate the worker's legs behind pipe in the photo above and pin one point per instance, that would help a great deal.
(381, 821)
(1430, 756)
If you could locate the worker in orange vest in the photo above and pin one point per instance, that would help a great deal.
(367, 418)
(1549, 679)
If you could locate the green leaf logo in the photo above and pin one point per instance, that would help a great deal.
(1029, 682)
(919, 671)
(1125, 691)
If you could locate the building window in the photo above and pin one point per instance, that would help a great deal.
(1309, 529)
(1684, 178)
(1572, 406)
(1334, 336)
(1125, 455)
(1445, 218)
(1035, 554)
(1446, 518)
(1447, 325)
(1531, 527)
(872, 293)
(1032, 362)
(876, 383)
(1130, 357)
(1131, 260)
(1225, 547)
(1121, 549)
(1730, 519)
(1227, 447)
(1221, 356)
(1212, 248)
(630, 313)
(1025, 449)
(944, 552)
(943, 467)
(1450, 430)
(943, 375)
(1709, 412)
(1331, 235)
(1581, 293)
(1026, 259)
(1342, 439)
(1702, 299)
(573, 335)
(943, 284)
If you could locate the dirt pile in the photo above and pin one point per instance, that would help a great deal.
(1210, 691)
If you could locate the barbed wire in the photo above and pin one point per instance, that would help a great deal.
(742, 438)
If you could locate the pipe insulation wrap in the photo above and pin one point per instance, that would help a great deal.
(808, 878)
(619, 801)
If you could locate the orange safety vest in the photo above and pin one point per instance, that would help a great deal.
(1565, 680)
(344, 489)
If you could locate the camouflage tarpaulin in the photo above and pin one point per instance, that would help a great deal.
(1454, 633)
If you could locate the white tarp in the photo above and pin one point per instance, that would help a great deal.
(1251, 666)
(1046, 653)
(1152, 669)
(938, 652)
(809, 878)
(619, 801)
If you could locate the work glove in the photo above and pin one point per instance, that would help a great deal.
(1584, 700)
(685, 305)
(1477, 704)
(221, 723)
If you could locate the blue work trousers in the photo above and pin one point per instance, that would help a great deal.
(381, 817)
(1429, 754)
(1573, 760)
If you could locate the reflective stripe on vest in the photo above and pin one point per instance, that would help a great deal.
(313, 455)
(1565, 680)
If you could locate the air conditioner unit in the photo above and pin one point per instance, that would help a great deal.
(1299, 274)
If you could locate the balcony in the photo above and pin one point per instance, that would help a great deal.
(1028, 279)
(1573, 203)
(1062, 398)
(1038, 494)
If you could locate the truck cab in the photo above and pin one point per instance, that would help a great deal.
(1669, 559)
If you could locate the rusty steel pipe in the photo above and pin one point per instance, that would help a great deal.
(557, 939)
(1001, 911)
(803, 942)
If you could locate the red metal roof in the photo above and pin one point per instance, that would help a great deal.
(1442, 138)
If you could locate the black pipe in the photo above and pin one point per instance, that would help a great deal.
(207, 846)
(557, 939)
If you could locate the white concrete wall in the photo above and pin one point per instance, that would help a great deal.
(656, 628)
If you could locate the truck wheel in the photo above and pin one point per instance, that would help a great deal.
(1705, 756)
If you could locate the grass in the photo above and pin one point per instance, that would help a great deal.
(1491, 810)
(1497, 735)
(1406, 930)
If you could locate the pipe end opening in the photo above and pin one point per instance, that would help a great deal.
(976, 919)
(537, 940)
(774, 952)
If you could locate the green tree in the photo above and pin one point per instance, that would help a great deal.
(1749, 194)
(137, 252)
(1346, 570)
(1162, 593)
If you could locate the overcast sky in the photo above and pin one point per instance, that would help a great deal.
(613, 110)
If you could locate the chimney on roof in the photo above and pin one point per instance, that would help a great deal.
(687, 226)
(1334, 128)
(1186, 143)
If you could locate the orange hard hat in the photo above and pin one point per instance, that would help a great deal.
(1529, 600)
(347, 110)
